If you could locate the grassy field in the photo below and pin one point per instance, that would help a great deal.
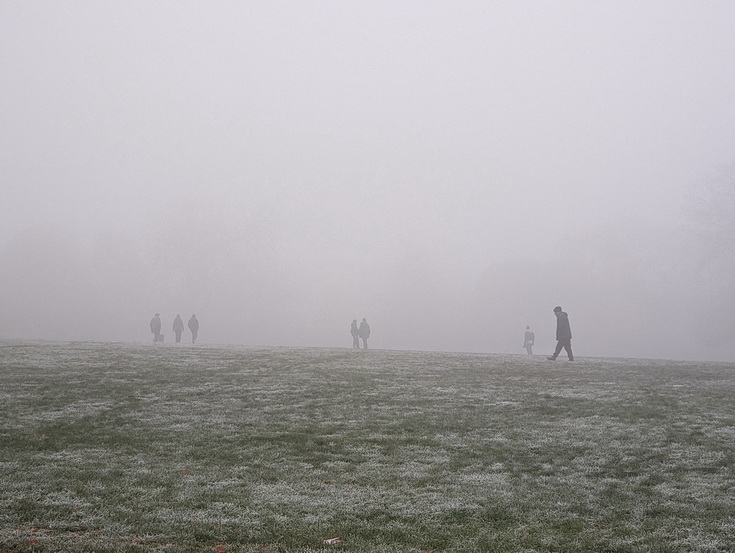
(137, 448)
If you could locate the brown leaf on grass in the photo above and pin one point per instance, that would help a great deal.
(186, 472)
(333, 541)
(220, 549)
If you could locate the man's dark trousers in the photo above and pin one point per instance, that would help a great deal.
(567, 345)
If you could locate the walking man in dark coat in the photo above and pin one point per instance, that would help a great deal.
(364, 331)
(563, 334)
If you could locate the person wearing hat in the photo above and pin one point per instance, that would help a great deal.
(563, 334)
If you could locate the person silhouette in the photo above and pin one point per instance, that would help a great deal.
(156, 328)
(178, 328)
(355, 335)
(194, 327)
(563, 335)
(364, 332)
(528, 339)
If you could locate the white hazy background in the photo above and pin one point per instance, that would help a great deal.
(449, 170)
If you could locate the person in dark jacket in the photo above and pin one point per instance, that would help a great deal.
(355, 335)
(156, 328)
(178, 328)
(194, 327)
(364, 332)
(528, 339)
(563, 334)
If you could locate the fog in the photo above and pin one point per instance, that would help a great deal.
(450, 171)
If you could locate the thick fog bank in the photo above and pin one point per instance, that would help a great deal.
(630, 289)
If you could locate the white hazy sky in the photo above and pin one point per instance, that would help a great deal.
(449, 170)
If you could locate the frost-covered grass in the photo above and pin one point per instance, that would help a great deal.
(132, 448)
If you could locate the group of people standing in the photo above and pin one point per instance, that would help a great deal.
(563, 336)
(361, 332)
(178, 328)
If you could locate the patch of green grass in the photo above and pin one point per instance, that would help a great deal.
(111, 447)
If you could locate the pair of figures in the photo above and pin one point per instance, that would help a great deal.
(563, 336)
(178, 328)
(363, 331)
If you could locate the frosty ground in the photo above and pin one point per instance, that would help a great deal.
(136, 448)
